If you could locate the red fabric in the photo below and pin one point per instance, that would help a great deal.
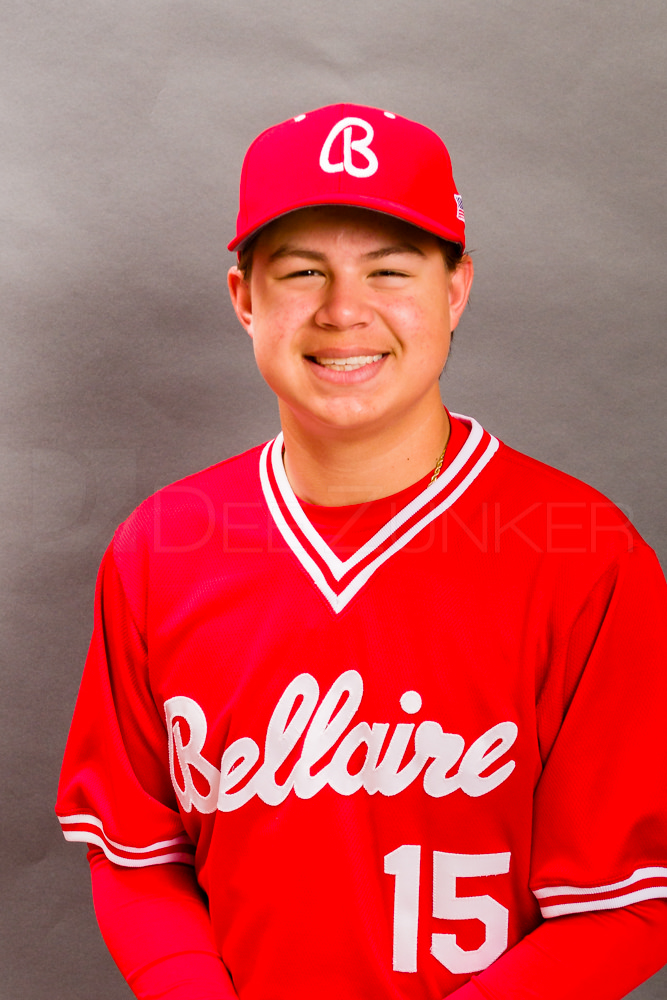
(350, 154)
(601, 955)
(466, 724)
(156, 925)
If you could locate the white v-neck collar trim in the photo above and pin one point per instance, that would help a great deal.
(337, 567)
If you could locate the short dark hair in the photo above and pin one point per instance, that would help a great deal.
(245, 256)
(452, 253)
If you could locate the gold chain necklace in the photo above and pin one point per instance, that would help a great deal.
(436, 471)
(438, 465)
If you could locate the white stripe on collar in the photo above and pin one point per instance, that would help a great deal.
(337, 567)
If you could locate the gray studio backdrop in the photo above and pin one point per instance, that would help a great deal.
(123, 127)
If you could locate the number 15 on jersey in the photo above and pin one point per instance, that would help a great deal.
(404, 864)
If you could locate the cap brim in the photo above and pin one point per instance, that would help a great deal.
(379, 205)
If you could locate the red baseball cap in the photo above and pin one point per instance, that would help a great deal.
(348, 154)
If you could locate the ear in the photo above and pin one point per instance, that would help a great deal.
(239, 292)
(460, 283)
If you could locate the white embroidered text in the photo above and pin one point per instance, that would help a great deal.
(385, 768)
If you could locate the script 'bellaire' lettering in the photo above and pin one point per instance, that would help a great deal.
(322, 727)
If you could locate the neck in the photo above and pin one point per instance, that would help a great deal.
(334, 472)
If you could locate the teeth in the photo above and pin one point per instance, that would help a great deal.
(348, 364)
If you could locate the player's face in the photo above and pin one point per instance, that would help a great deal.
(351, 314)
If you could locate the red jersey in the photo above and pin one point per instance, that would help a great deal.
(387, 766)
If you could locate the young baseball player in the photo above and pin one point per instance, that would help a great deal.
(376, 709)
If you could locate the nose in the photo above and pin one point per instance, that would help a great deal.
(344, 305)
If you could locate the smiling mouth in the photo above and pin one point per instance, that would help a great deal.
(346, 364)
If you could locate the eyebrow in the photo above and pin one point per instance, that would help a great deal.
(293, 251)
(399, 248)
(287, 250)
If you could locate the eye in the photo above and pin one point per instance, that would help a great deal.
(307, 272)
(389, 277)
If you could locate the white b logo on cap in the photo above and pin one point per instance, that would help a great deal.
(361, 146)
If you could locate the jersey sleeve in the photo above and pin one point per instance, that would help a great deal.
(603, 955)
(115, 789)
(156, 924)
(600, 817)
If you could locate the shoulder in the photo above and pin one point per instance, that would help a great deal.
(537, 508)
(189, 508)
(526, 472)
(514, 473)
